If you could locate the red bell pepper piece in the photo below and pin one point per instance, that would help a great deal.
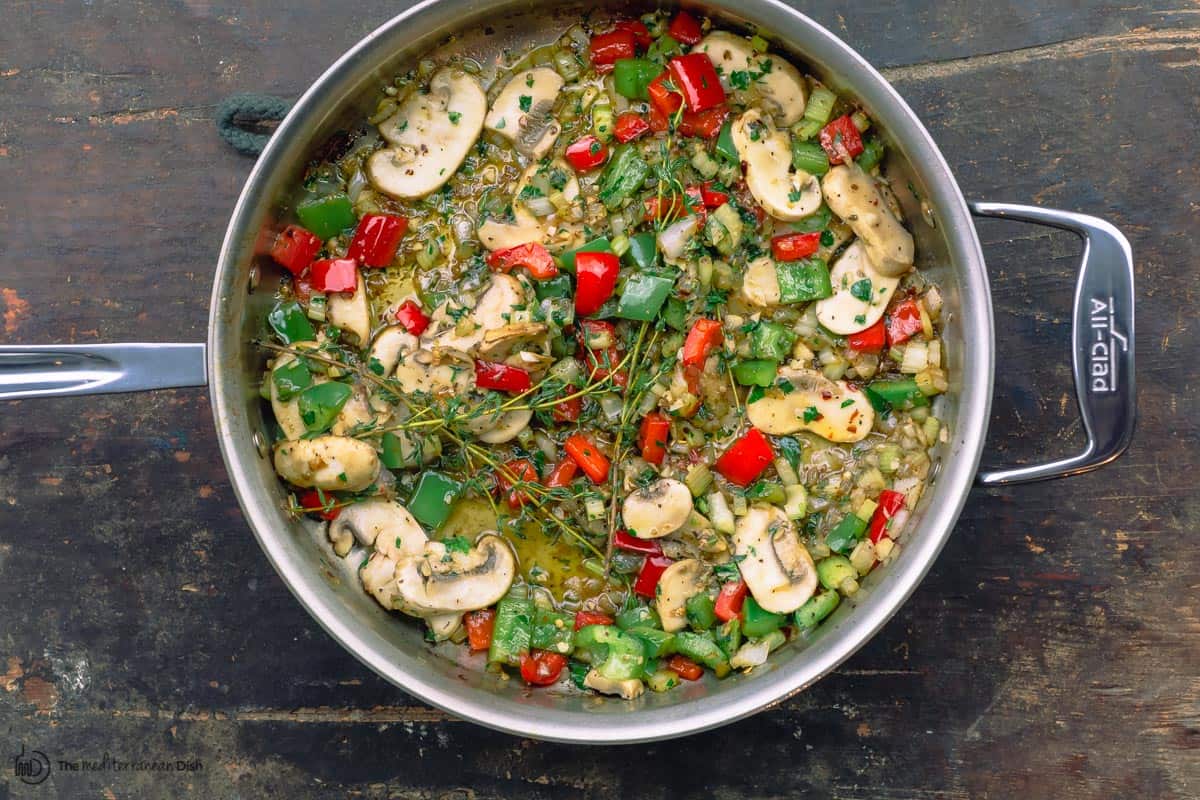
(652, 437)
(410, 315)
(664, 96)
(586, 153)
(904, 322)
(320, 503)
(685, 28)
(541, 667)
(703, 124)
(519, 470)
(533, 256)
(730, 599)
(606, 48)
(589, 458)
(335, 275)
(641, 34)
(652, 569)
(562, 474)
(872, 340)
(595, 280)
(585, 618)
(685, 668)
(598, 349)
(657, 119)
(295, 248)
(712, 198)
(501, 377)
(889, 505)
(376, 239)
(696, 77)
(705, 335)
(840, 137)
(795, 246)
(568, 410)
(629, 126)
(746, 459)
(627, 541)
(479, 628)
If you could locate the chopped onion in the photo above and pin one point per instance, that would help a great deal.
(674, 238)
(611, 404)
(916, 358)
(355, 186)
(539, 206)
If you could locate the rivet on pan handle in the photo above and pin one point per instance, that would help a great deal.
(72, 369)
(1102, 343)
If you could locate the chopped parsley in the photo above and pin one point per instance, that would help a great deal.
(811, 414)
(454, 117)
(861, 290)
(526, 102)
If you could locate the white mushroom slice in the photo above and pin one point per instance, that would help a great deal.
(661, 508)
(433, 373)
(498, 343)
(351, 312)
(526, 227)
(680, 581)
(498, 428)
(384, 524)
(443, 626)
(628, 689)
(430, 133)
(766, 155)
(777, 83)
(853, 196)
(379, 579)
(287, 412)
(332, 463)
(760, 283)
(443, 581)
(390, 345)
(830, 409)
(774, 562)
(501, 236)
(496, 308)
(521, 112)
(356, 415)
(854, 278)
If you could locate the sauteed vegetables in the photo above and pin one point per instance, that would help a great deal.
(610, 362)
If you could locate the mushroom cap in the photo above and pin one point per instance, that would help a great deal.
(384, 524)
(656, 510)
(442, 582)
(331, 463)
(853, 196)
(843, 312)
(497, 307)
(679, 582)
(766, 155)
(521, 111)
(778, 84)
(774, 562)
(287, 412)
(351, 311)
(760, 283)
(782, 413)
(500, 427)
(526, 227)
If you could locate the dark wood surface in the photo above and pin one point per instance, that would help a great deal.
(1053, 651)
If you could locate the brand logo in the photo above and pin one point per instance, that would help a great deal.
(1106, 342)
(31, 768)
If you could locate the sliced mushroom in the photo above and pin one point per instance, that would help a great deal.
(499, 427)
(679, 582)
(628, 689)
(430, 133)
(356, 415)
(331, 463)
(766, 155)
(351, 312)
(521, 112)
(831, 409)
(379, 579)
(760, 283)
(287, 412)
(400, 354)
(498, 343)
(498, 306)
(776, 82)
(392, 343)
(854, 278)
(661, 508)
(444, 626)
(853, 196)
(384, 524)
(527, 228)
(441, 581)
(774, 562)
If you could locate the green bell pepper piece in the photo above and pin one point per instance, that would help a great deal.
(725, 147)
(631, 76)
(553, 631)
(809, 157)
(638, 617)
(642, 252)
(291, 379)
(579, 671)
(702, 649)
(729, 636)
(818, 607)
(291, 323)
(327, 216)
(643, 296)
(675, 314)
(757, 621)
(701, 612)
(320, 404)
(624, 175)
(600, 245)
(557, 287)
(802, 281)
(771, 341)
(392, 455)
(617, 656)
(833, 570)
(512, 632)
(871, 155)
(756, 373)
(433, 498)
(817, 221)
(846, 534)
(902, 393)
(655, 643)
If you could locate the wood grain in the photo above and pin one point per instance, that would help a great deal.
(1053, 651)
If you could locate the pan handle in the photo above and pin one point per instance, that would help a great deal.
(72, 369)
(1102, 344)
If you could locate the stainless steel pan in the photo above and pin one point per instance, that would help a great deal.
(1102, 352)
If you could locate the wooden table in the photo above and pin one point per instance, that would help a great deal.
(1053, 651)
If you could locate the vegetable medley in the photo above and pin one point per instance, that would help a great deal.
(611, 363)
